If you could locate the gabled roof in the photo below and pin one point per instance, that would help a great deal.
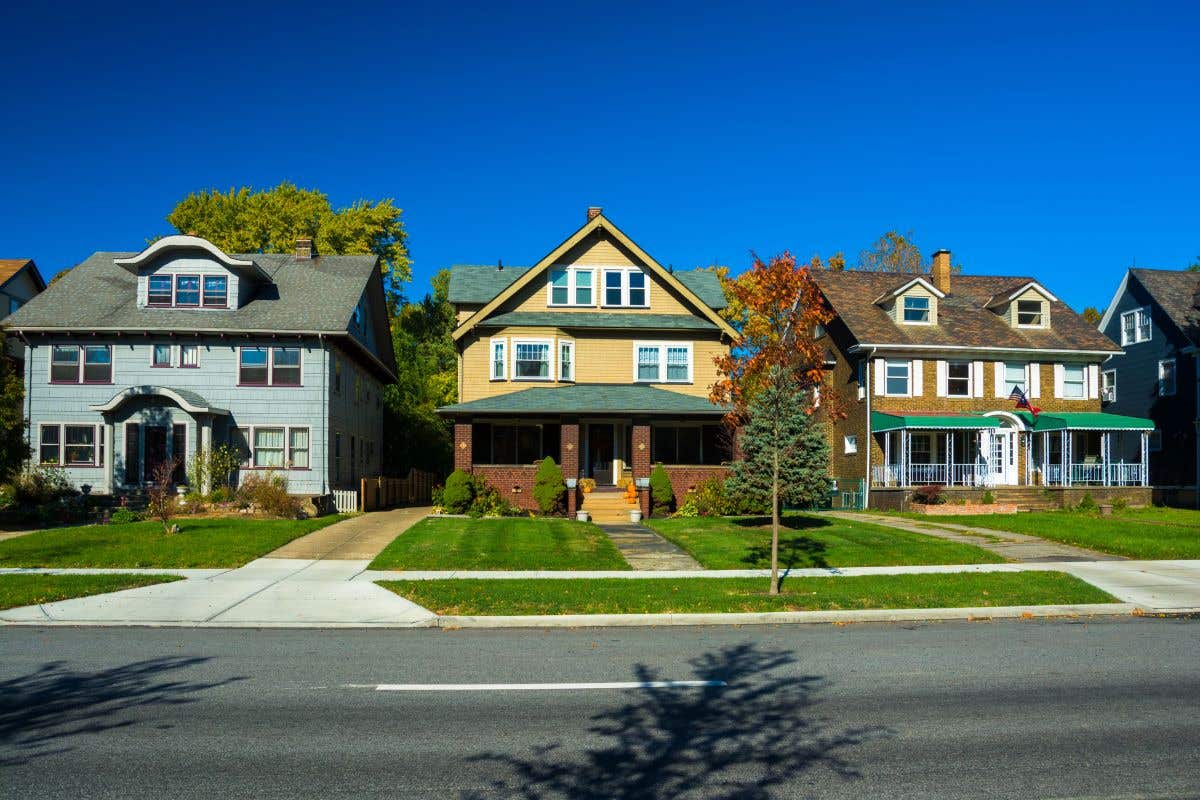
(1006, 296)
(598, 222)
(1176, 292)
(964, 321)
(10, 267)
(590, 398)
(902, 288)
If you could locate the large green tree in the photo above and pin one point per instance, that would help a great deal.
(13, 448)
(247, 220)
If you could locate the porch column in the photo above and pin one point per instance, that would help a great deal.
(949, 458)
(887, 457)
(905, 443)
(569, 461)
(1145, 459)
(1045, 458)
(462, 446)
(1105, 457)
(640, 442)
(110, 456)
(1066, 457)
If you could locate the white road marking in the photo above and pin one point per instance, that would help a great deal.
(540, 687)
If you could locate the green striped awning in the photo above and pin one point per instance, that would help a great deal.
(1083, 421)
(882, 423)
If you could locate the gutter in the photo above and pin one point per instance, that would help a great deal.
(972, 348)
(867, 389)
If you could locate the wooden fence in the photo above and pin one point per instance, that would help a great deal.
(416, 489)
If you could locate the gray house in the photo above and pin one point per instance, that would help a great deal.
(20, 282)
(135, 358)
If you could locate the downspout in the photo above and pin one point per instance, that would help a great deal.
(867, 390)
(325, 411)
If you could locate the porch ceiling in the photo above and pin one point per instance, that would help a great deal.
(589, 398)
(1083, 421)
(882, 423)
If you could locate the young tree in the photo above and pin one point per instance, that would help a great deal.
(13, 448)
(769, 377)
(895, 252)
(161, 496)
(1092, 315)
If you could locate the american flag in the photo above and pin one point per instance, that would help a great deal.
(1023, 401)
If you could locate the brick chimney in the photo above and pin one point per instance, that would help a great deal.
(304, 249)
(941, 270)
(593, 212)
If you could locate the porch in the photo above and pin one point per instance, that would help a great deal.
(1000, 448)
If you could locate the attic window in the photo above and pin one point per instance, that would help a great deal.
(1030, 313)
(916, 310)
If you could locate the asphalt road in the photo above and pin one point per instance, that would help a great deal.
(1000, 710)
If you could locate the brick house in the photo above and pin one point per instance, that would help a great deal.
(926, 366)
(598, 356)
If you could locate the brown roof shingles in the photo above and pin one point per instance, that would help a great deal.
(1176, 292)
(962, 317)
(10, 267)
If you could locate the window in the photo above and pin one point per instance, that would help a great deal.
(71, 445)
(509, 443)
(916, 309)
(1074, 376)
(532, 361)
(571, 286)
(285, 366)
(896, 378)
(690, 444)
(921, 450)
(96, 367)
(650, 360)
(252, 369)
(1014, 377)
(1135, 326)
(216, 291)
(1166, 377)
(64, 364)
(239, 440)
(499, 359)
(1029, 313)
(268, 447)
(274, 366)
(625, 287)
(189, 355)
(298, 448)
(958, 379)
(159, 290)
(1108, 385)
(850, 444)
(566, 361)
(161, 356)
(187, 290)
(48, 449)
(97, 364)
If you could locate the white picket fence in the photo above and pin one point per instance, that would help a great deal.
(345, 500)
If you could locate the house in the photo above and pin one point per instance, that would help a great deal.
(925, 367)
(1155, 317)
(20, 280)
(136, 358)
(598, 356)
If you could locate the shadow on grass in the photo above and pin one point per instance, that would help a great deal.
(40, 712)
(791, 521)
(747, 740)
(798, 552)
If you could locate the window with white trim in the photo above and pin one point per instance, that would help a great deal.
(273, 446)
(1030, 313)
(850, 444)
(566, 360)
(1108, 385)
(71, 445)
(1166, 377)
(662, 362)
(627, 287)
(89, 363)
(916, 310)
(189, 355)
(1014, 376)
(648, 363)
(958, 379)
(571, 286)
(499, 359)
(531, 361)
(896, 377)
(269, 447)
(1074, 381)
(1135, 326)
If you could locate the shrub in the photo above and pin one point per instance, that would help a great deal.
(587, 484)
(123, 516)
(1118, 503)
(710, 498)
(928, 495)
(6, 497)
(1087, 503)
(489, 502)
(268, 493)
(549, 488)
(214, 467)
(437, 497)
(37, 486)
(688, 509)
(161, 496)
(662, 496)
(221, 494)
(458, 493)
(988, 498)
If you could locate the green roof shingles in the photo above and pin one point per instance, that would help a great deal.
(599, 319)
(589, 398)
(475, 283)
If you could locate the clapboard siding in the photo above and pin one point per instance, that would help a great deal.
(357, 415)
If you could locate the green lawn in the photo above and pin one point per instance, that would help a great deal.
(1150, 533)
(505, 543)
(26, 590)
(499, 597)
(225, 542)
(808, 540)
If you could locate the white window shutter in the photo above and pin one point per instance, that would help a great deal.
(1034, 373)
(880, 376)
(977, 378)
(941, 378)
(1058, 380)
(918, 377)
(998, 378)
(1093, 386)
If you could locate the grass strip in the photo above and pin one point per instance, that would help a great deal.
(500, 597)
(507, 543)
(28, 590)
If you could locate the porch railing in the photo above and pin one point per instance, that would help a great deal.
(919, 474)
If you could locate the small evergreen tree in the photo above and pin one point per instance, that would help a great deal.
(459, 492)
(13, 448)
(785, 455)
(549, 487)
(661, 493)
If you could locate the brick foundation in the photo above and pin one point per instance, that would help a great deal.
(686, 478)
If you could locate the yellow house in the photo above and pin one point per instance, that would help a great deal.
(598, 356)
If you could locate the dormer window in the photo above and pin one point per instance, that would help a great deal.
(625, 287)
(916, 310)
(1030, 313)
(187, 291)
(216, 291)
(161, 291)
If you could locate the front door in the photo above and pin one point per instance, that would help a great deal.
(600, 453)
(156, 451)
(1004, 458)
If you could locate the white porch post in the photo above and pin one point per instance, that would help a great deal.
(887, 457)
(1066, 457)
(949, 458)
(1105, 455)
(110, 453)
(206, 447)
(1045, 458)
(904, 454)
(1145, 459)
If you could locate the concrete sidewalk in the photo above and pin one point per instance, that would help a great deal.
(359, 538)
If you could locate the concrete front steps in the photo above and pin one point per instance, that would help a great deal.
(1026, 498)
(607, 506)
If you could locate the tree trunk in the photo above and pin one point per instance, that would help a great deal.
(775, 526)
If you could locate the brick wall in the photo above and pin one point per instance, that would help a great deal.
(641, 451)
(514, 483)
(686, 478)
(462, 446)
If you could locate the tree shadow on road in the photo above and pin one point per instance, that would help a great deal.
(743, 740)
(40, 712)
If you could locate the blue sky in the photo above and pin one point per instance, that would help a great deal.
(1059, 142)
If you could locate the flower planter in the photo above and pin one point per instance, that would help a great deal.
(635, 515)
(582, 516)
(956, 509)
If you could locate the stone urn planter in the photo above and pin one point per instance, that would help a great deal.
(635, 515)
(582, 516)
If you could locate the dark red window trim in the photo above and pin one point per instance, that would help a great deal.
(199, 290)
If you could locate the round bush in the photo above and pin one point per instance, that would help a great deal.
(549, 487)
(661, 494)
(459, 492)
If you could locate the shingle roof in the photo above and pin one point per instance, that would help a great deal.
(705, 284)
(1176, 292)
(590, 398)
(479, 283)
(963, 319)
(600, 319)
(11, 266)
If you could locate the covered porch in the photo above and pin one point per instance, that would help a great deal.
(1088, 449)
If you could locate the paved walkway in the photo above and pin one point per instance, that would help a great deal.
(646, 550)
(1019, 547)
(355, 539)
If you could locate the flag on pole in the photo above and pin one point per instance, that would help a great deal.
(1023, 401)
